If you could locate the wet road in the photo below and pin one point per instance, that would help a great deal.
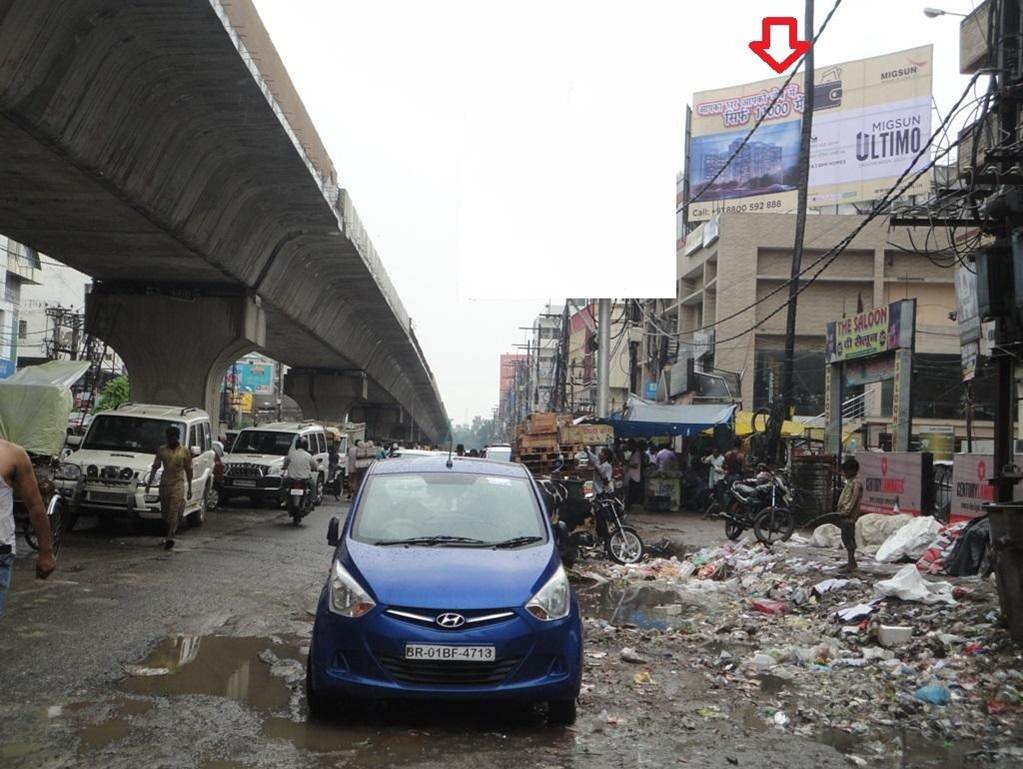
(131, 656)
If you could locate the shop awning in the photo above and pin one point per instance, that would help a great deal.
(642, 419)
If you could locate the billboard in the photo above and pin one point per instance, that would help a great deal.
(971, 485)
(873, 332)
(871, 117)
(256, 376)
(895, 481)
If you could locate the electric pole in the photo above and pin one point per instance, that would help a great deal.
(603, 358)
(805, 137)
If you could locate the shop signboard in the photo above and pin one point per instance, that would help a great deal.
(971, 485)
(895, 482)
(874, 332)
(256, 376)
(871, 119)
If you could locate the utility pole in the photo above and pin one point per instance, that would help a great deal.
(805, 137)
(603, 358)
(1008, 63)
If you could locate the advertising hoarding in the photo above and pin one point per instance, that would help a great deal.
(871, 117)
(971, 485)
(873, 332)
(895, 480)
(256, 377)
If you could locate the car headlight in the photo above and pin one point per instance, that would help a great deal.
(554, 600)
(274, 471)
(69, 472)
(157, 475)
(347, 597)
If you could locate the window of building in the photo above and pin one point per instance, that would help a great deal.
(22, 329)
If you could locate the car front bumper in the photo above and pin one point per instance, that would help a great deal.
(364, 658)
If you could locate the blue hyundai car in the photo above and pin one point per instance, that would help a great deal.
(446, 585)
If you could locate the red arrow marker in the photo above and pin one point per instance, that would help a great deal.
(761, 47)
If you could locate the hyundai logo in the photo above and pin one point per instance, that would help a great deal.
(450, 620)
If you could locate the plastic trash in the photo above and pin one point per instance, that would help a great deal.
(769, 606)
(826, 535)
(908, 585)
(827, 585)
(780, 719)
(910, 541)
(628, 654)
(935, 694)
(873, 529)
(855, 612)
(763, 661)
(894, 635)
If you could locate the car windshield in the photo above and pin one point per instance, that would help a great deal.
(263, 442)
(135, 434)
(454, 509)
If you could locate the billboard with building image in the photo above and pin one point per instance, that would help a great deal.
(871, 117)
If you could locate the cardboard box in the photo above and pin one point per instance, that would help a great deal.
(589, 435)
(546, 422)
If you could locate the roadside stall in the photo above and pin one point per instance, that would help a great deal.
(665, 489)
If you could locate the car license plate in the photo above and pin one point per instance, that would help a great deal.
(440, 652)
(246, 484)
(297, 492)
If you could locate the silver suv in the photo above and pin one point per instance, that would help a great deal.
(255, 466)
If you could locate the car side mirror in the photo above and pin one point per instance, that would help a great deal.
(195, 451)
(332, 532)
(218, 448)
(74, 440)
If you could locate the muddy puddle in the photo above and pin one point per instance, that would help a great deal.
(215, 665)
(642, 606)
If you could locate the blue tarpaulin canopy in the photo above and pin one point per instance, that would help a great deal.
(643, 419)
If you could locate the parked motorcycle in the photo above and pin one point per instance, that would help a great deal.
(555, 496)
(763, 504)
(52, 501)
(300, 499)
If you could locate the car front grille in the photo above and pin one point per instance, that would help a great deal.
(108, 497)
(453, 673)
(244, 471)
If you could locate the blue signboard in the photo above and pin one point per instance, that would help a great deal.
(650, 391)
(256, 377)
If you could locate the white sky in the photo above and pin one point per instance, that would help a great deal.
(500, 151)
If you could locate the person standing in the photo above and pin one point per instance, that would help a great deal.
(352, 468)
(849, 509)
(175, 482)
(735, 461)
(634, 476)
(18, 477)
(603, 476)
(666, 459)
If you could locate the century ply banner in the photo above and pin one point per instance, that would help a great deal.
(871, 117)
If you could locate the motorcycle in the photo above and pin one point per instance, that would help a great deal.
(52, 501)
(300, 499)
(764, 505)
(555, 496)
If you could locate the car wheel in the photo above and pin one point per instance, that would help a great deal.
(561, 712)
(212, 497)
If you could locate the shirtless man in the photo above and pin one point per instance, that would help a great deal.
(17, 478)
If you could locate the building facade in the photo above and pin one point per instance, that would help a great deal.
(732, 294)
(20, 266)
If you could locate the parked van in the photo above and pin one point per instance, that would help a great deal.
(106, 473)
(254, 467)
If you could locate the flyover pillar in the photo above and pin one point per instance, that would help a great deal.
(326, 395)
(176, 343)
(384, 421)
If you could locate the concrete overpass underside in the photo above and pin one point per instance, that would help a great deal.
(159, 146)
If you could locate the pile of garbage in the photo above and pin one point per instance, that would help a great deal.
(883, 648)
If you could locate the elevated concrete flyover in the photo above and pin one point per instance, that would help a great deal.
(159, 146)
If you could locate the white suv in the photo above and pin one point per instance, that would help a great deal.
(255, 466)
(106, 475)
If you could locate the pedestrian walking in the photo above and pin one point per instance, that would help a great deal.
(18, 477)
(716, 467)
(175, 482)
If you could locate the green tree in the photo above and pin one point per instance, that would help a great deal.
(476, 435)
(115, 392)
